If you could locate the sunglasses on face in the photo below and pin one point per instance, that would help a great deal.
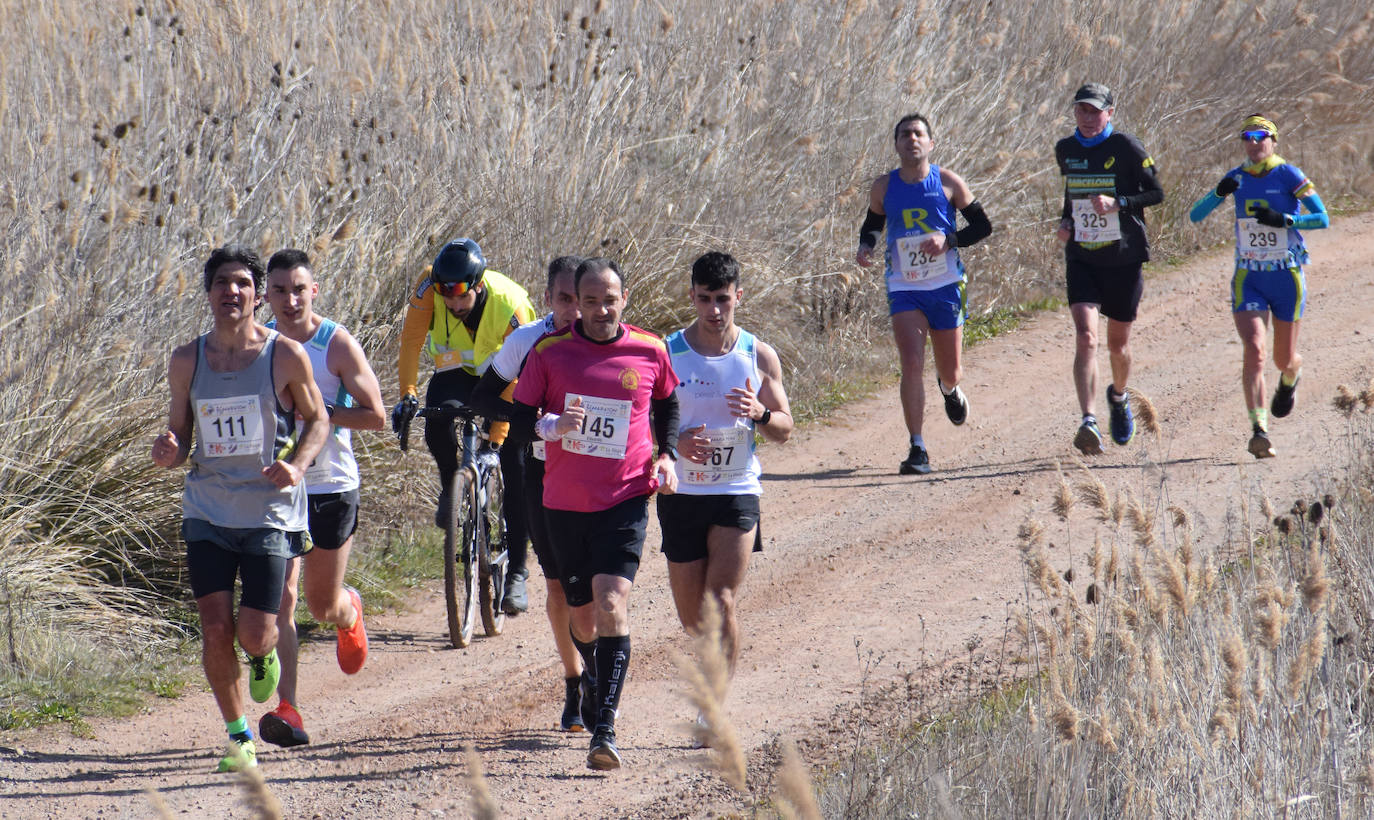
(1254, 136)
(453, 288)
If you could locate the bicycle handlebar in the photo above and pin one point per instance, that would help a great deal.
(440, 412)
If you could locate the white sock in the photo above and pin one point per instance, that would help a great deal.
(917, 441)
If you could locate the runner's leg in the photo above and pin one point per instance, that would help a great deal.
(286, 633)
(687, 579)
(217, 653)
(1250, 326)
(947, 347)
(728, 557)
(556, 605)
(910, 329)
(324, 577)
(1286, 355)
(1119, 349)
(1085, 354)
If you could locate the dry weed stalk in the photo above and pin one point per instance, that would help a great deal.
(796, 798)
(261, 802)
(1094, 494)
(483, 804)
(1314, 582)
(1308, 657)
(164, 811)
(1145, 412)
(708, 680)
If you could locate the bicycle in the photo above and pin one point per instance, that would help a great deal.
(475, 552)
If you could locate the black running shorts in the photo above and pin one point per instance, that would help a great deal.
(606, 542)
(333, 518)
(216, 556)
(686, 519)
(1115, 290)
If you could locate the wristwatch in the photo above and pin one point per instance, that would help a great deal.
(670, 452)
(766, 417)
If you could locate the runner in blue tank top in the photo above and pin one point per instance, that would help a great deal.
(926, 296)
(234, 393)
(1268, 278)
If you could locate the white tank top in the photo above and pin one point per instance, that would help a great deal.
(334, 470)
(733, 468)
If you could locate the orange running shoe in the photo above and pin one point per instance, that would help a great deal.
(283, 726)
(352, 646)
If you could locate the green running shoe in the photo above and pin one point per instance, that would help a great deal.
(263, 674)
(242, 755)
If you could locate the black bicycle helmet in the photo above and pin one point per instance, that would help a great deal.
(459, 262)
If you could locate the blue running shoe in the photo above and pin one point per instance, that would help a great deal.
(1123, 423)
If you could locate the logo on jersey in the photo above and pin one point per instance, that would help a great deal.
(629, 379)
(1076, 164)
(1106, 166)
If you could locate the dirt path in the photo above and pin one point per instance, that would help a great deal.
(912, 568)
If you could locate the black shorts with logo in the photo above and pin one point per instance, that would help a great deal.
(1115, 289)
(686, 519)
(605, 542)
(333, 518)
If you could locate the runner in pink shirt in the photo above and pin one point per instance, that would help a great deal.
(610, 420)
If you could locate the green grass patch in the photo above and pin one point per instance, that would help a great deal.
(994, 323)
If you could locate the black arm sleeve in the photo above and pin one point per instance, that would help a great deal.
(978, 227)
(666, 416)
(486, 396)
(872, 229)
(522, 417)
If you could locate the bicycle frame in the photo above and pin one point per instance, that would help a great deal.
(475, 534)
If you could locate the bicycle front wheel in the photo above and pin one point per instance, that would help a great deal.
(461, 536)
(494, 560)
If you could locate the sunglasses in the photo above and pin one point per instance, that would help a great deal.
(453, 288)
(1254, 136)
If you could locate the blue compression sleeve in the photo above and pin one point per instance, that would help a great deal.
(1204, 206)
(1318, 218)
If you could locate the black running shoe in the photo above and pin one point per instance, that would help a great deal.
(917, 462)
(1284, 396)
(1259, 443)
(603, 755)
(956, 403)
(572, 705)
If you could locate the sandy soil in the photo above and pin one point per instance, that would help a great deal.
(866, 576)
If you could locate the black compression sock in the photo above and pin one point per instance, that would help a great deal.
(612, 661)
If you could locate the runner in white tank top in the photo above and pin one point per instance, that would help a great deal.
(731, 389)
(353, 400)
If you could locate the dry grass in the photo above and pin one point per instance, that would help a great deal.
(138, 135)
(1175, 689)
(708, 680)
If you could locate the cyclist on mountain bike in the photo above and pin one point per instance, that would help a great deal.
(461, 312)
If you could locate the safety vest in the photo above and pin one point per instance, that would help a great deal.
(452, 345)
